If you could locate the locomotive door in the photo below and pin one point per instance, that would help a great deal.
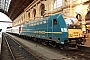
(51, 28)
(54, 27)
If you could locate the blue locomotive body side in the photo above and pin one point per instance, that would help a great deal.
(51, 28)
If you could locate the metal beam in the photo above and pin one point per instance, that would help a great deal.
(6, 21)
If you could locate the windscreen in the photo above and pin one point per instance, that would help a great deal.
(72, 23)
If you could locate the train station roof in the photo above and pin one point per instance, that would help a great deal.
(13, 8)
(4, 6)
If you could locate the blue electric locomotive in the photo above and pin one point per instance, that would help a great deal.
(52, 30)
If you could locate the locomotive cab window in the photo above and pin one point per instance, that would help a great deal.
(54, 22)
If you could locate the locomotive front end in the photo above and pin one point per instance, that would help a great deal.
(75, 35)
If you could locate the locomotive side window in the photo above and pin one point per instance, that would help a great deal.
(29, 24)
(44, 22)
(40, 22)
(37, 23)
(32, 24)
(54, 22)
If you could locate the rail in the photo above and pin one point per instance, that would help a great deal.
(10, 49)
(16, 50)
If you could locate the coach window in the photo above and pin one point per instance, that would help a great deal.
(54, 22)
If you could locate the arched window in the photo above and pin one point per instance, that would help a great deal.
(79, 17)
(57, 3)
(28, 14)
(34, 13)
(87, 17)
(42, 9)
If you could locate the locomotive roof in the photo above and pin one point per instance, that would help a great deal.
(42, 19)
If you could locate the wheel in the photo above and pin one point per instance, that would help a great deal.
(34, 39)
(53, 44)
(39, 40)
(44, 42)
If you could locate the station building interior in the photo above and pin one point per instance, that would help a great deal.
(23, 11)
(59, 24)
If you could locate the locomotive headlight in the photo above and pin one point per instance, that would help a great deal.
(81, 35)
(70, 35)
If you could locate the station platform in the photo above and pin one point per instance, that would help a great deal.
(43, 52)
(87, 43)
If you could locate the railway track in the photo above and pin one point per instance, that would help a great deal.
(12, 50)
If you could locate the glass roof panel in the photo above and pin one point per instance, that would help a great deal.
(4, 4)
